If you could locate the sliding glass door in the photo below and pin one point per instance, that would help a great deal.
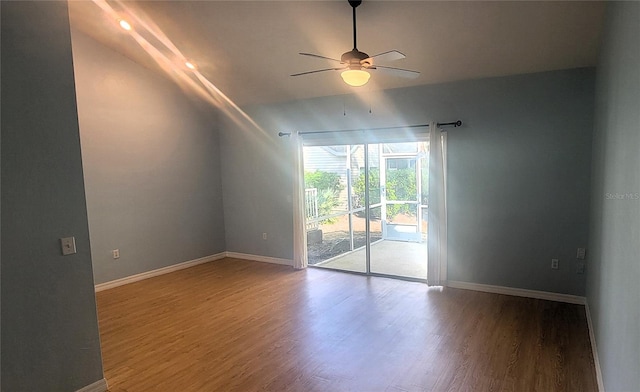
(366, 207)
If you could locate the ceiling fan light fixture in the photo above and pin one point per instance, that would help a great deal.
(355, 77)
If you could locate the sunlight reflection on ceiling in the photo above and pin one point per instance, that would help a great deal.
(170, 59)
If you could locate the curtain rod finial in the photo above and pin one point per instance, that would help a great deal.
(281, 134)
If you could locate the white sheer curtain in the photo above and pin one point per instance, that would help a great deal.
(298, 201)
(437, 234)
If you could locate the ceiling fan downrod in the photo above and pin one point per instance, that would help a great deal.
(354, 58)
(354, 4)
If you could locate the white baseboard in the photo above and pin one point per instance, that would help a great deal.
(159, 271)
(98, 386)
(264, 259)
(594, 348)
(572, 299)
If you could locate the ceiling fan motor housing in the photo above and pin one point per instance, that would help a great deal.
(355, 59)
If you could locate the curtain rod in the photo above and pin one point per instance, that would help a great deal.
(455, 124)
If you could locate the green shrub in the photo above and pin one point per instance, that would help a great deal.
(401, 185)
(322, 180)
(329, 187)
(327, 202)
(374, 192)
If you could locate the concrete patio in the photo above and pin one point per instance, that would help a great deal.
(397, 258)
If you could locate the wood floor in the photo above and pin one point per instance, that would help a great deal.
(234, 325)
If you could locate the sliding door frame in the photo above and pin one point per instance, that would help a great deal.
(367, 210)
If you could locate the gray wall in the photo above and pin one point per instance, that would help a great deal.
(256, 184)
(613, 292)
(151, 165)
(50, 338)
(518, 171)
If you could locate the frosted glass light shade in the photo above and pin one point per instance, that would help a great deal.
(355, 77)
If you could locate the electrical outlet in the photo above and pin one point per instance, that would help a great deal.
(554, 263)
(580, 267)
(580, 254)
(264, 236)
(116, 253)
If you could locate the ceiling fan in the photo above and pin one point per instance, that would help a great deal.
(355, 64)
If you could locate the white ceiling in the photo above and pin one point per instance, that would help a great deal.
(248, 49)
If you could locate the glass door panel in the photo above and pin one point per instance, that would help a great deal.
(336, 224)
(402, 251)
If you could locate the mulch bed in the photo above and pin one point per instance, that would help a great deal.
(335, 243)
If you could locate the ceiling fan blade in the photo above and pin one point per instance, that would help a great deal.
(391, 55)
(320, 57)
(319, 70)
(404, 73)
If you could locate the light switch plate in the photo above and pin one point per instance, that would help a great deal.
(580, 254)
(68, 245)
